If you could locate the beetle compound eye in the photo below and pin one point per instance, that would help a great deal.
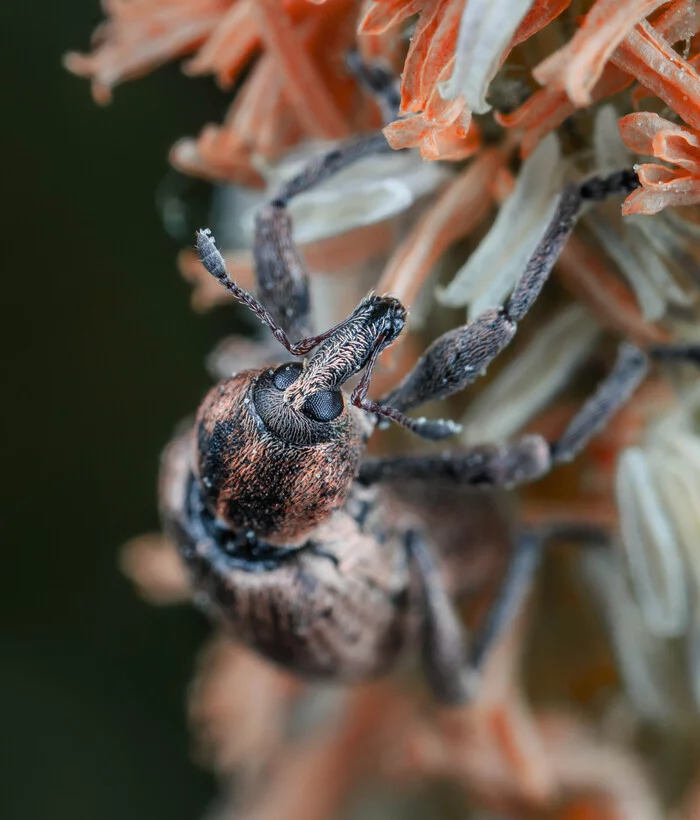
(324, 406)
(286, 375)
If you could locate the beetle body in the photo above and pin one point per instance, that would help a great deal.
(299, 545)
(333, 606)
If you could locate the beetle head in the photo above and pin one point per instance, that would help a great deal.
(267, 465)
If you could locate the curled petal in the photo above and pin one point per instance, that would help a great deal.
(141, 36)
(648, 56)
(648, 133)
(450, 142)
(661, 189)
(577, 66)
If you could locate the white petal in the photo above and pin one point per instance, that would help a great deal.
(676, 463)
(610, 151)
(693, 656)
(652, 549)
(532, 379)
(647, 663)
(485, 31)
(370, 190)
(495, 266)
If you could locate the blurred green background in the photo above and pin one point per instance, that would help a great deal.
(104, 356)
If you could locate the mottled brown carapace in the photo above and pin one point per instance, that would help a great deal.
(266, 467)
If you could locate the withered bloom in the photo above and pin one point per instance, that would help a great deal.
(500, 104)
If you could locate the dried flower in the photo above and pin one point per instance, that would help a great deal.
(388, 223)
(649, 134)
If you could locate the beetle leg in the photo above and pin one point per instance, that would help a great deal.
(452, 667)
(282, 280)
(457, 358)
(375, 79)
(528, 457)
(443, 645)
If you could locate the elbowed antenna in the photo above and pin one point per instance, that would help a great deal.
(213, 261)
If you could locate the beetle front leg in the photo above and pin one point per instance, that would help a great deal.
(283, 282)
(452, 667)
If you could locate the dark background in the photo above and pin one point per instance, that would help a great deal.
(102, 357)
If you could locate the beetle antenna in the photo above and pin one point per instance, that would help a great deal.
(210, 256)
(431, 429)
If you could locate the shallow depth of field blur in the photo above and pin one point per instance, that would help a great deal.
(105, 356)
(102, 356)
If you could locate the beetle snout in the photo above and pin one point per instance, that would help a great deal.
(394, 316)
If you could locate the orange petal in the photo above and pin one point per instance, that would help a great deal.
(305, 87)
(648, 133)
(541, 14)
(406, 133)
(450, 142)
(455, 213)
(419, 50)
(385, 14)
(661, 190)
(230, 46)
(211, 157)
(142, 36)
(577, 66)
(442, 47)
(679, 21)
(153, 564)
(442, 111)
(649, 57)
(547, 108)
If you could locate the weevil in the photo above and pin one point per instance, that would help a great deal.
(294, 539)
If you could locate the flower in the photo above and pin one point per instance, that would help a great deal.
(643, 54)
(649, 134)
(402, 225)
(299, 87)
